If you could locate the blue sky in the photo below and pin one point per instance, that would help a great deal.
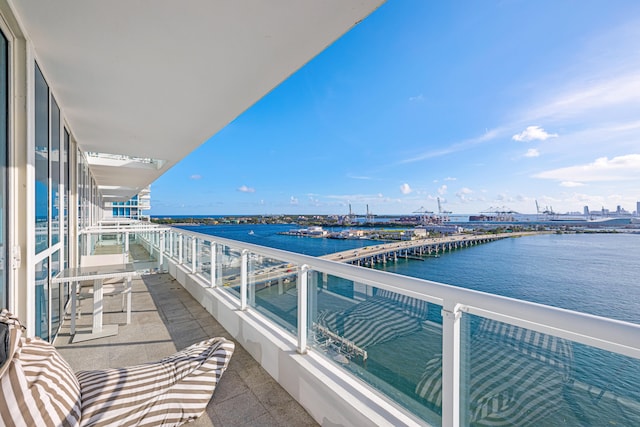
(481, 103)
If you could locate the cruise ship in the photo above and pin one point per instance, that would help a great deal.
(99, 99)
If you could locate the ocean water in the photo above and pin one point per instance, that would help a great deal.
(267, 235)
(592, 273)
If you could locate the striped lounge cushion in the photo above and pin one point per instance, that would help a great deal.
(411, 306)
(371, 322)
(169, 392)
(509, 384)
(38, 386)
(553, 351)
(505, 389)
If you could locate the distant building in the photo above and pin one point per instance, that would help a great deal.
(131, 209)
(586, 211)
(638, 208)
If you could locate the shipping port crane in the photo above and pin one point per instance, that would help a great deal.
(440, 211)
(548, 211)
(370, 216)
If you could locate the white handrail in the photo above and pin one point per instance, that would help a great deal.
(601, 332)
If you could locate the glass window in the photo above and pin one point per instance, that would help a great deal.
(42, 160)
(55, 172)
(4, 139)
(67, 193)
(66, 175)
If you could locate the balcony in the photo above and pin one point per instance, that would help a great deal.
(356, 346)
(165, 318)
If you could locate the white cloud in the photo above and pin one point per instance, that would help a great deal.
(463, 194)
(442, 190)
(293, 201)
(621, 168)
(245, 189)
(450, 179)
(532, 152)
(533, 133)
(416, 98)
(489, 135)
(405, 188)
(359, 177)
(592, 95)
(195, 177)
(571, 184)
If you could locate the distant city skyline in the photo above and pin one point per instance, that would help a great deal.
(480, 104)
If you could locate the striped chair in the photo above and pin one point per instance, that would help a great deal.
(39, 388)
(381, 318)
(516, 376)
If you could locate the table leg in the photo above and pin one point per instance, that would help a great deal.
(128, 300)
(97, 306)
(74, 297)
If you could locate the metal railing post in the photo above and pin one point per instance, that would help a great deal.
(126, 242)
(180, 241)
(171, 244)
(161, 254)
(213, 260)
(451, 364)
(303, 309)
(244, 278)
(194, 244)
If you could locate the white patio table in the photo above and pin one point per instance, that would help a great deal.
(97, 274)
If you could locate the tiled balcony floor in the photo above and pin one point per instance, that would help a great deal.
(165, 318)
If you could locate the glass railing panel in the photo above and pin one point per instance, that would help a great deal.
(230, 259)
(273, 290)
(392, 342)
(174, 244)
(604, 388)
(187, 250)
(515, 376)
(203, 258)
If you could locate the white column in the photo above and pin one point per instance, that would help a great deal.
(194, 245)
(303, 308)
(451, 365)
(161, 253)
(214, 266)
(180, 241)
(244, 278)
(126, 242)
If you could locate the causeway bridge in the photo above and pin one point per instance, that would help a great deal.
(369, 256)
(415, 249)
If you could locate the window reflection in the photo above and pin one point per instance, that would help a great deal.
(42, 160)
(55, 172)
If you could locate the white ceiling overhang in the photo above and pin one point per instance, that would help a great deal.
(154, 79)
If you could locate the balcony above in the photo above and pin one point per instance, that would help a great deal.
(155, 79)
